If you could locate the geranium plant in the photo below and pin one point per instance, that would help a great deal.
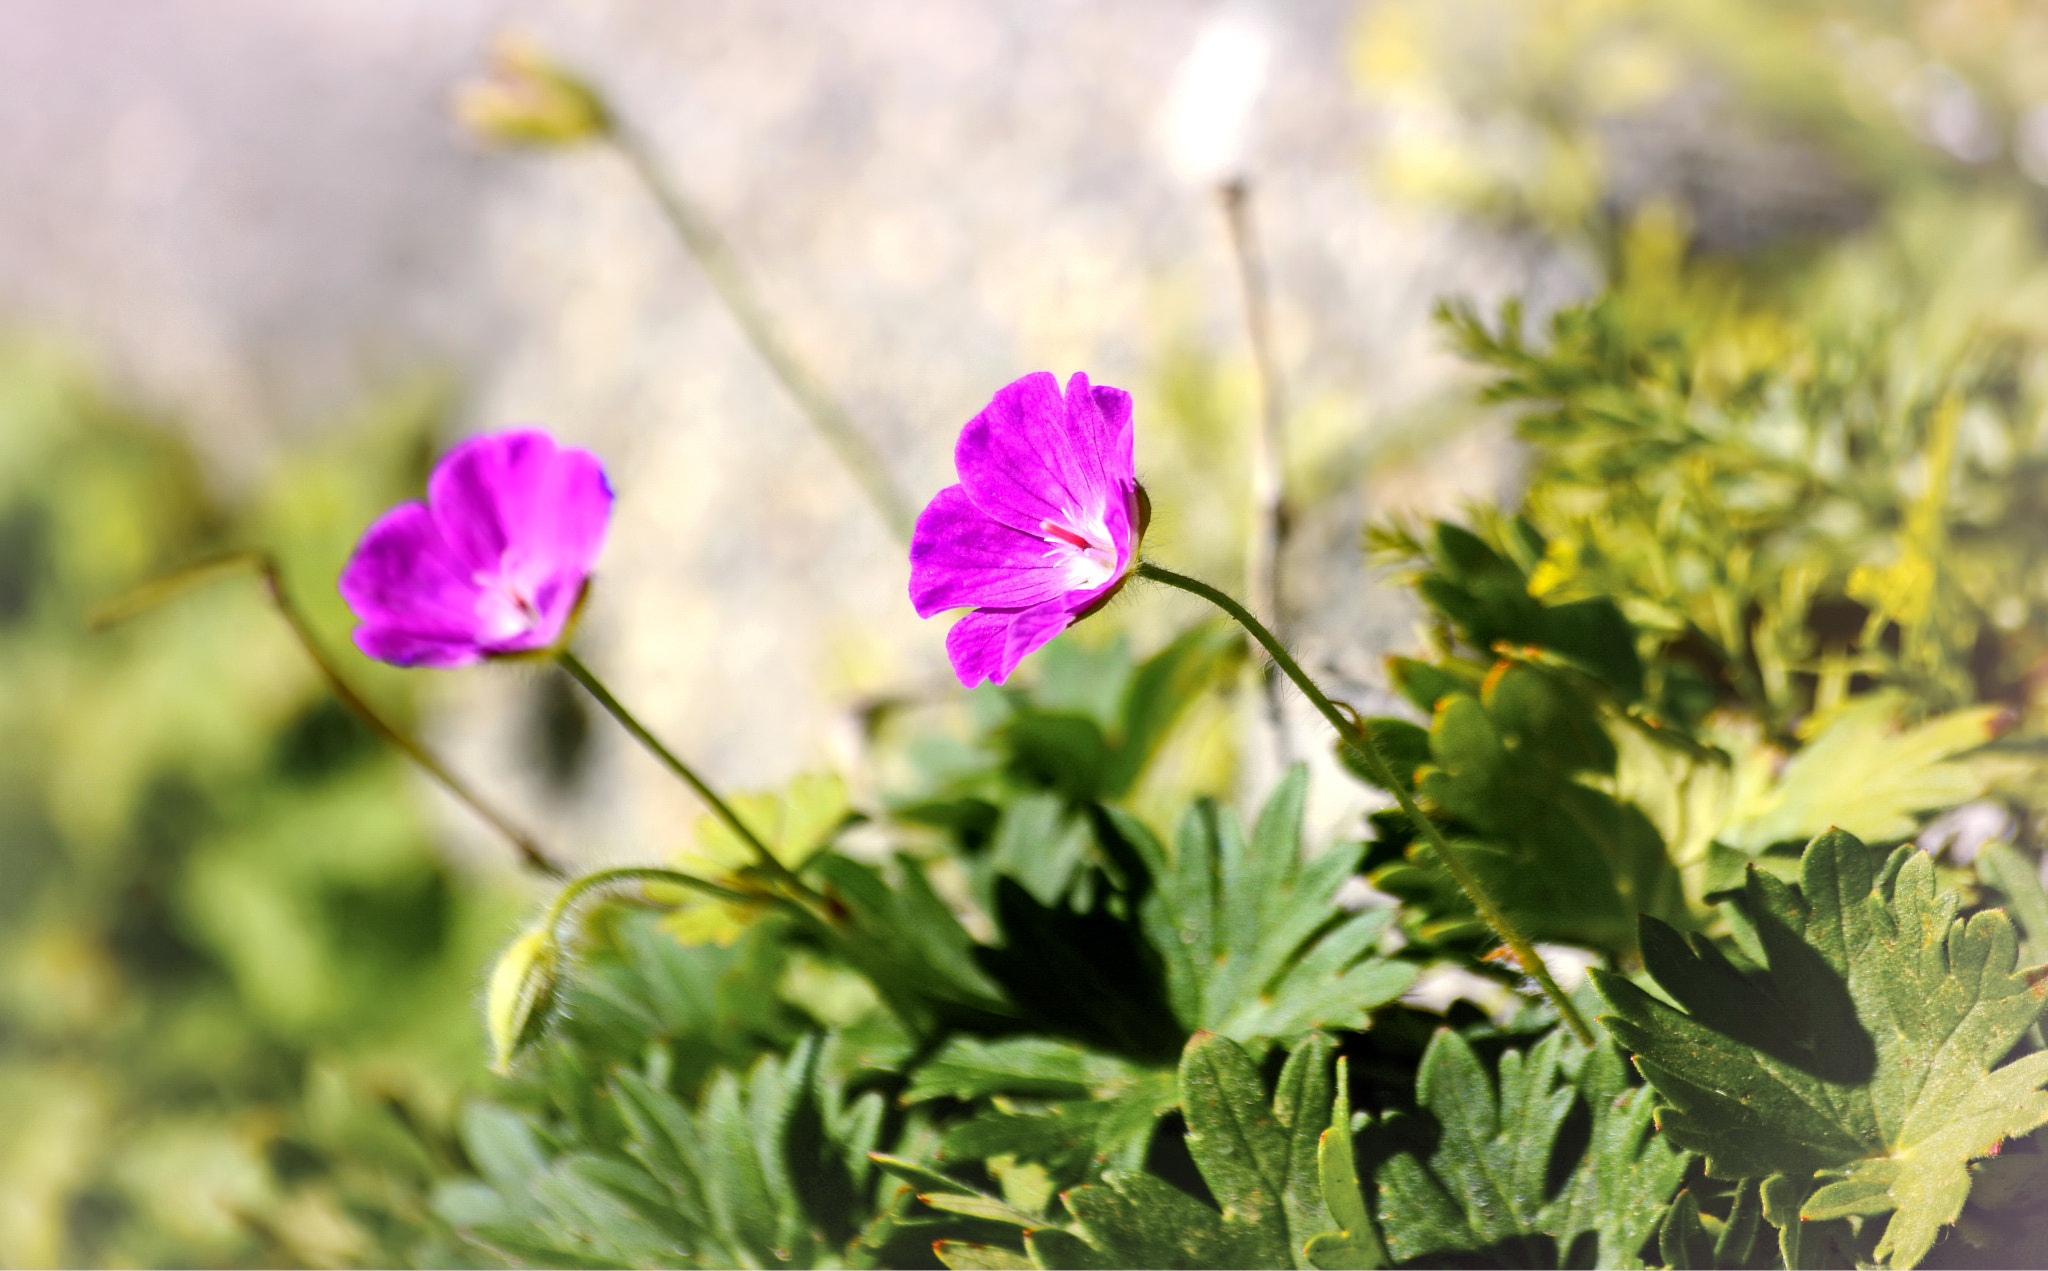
(1017, 1022)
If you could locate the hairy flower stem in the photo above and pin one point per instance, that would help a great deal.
(264, 566)
(637, 874)
(770, 863)
(854, 448)
(1357, 735)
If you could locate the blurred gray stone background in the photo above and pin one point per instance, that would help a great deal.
(256, 214)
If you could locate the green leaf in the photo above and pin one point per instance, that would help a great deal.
(1235, 1137)
(1067, 755)
(1570, 862)
(1142, 1221)
(1424, 684)
(912, 947)
(1471, 1173)
(1301, 1104)
(1869, 1193)
(1161, 689)
(1023, 1066)
(1403, 745)
(1258, 1157)
(1253, 942)
(1866, 775)
(525, 1247)
(1057, 1249)
(1736, 1245)
(922, 1178)
(1866, 1046)
(1076, 1139)
(1596, 636)
(962, 1256)
(743, 1203)
(765, 1166)
(1682, 1242)
(1355, 1245)
(606, 1207)
(1341, 1251)
(664, 1139)
(1087, 973)
(1628, 1171)
(502, 1144)
(794, 823)
(1487, 597)
(979, 1206)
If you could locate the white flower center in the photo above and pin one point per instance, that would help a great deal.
(1086, 552)
(504, 610)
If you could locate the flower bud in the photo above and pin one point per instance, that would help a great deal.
(527, 99)
(521, 995)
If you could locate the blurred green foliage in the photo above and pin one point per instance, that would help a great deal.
(1803, 477)
(236, 977)
(1770, 120)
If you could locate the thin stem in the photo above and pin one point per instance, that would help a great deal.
(719, 808)
(1268, 476)
(1266, 537)
(1357, 734)
(644, 874)
(715, 257)
(157, 591)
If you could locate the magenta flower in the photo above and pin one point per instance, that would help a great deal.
(1042, 529)
(494, 562)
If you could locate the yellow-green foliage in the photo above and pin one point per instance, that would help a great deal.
(232, 966)
(1804, 474)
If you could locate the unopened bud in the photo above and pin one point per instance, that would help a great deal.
(527, 99)
(521, 995)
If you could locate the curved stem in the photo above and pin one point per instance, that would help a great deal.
(853, 446)
(642, 874)
(264, 565)
(1358, 736)
(719, 808)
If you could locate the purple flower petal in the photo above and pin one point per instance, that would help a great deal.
(989, 643)
(975, 646)
(1041, 529)
(1028, 458)
(959, 557)
(494, 562)
(519, 491)
(1103, 415)
(1030, 631)
(407, 648)
(405, 575)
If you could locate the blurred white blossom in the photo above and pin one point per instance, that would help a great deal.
(1942, 107)
(1209, 110)
(1962, 832)
(2031, 143)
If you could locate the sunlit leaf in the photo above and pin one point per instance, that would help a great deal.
(1868, 1048)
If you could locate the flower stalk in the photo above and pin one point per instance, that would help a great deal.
(770, 863)
(524, 985)
(529, 100)
(638, 874)
(715, 257)
(157, 591)
(1357, 735)
(1266, 539)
